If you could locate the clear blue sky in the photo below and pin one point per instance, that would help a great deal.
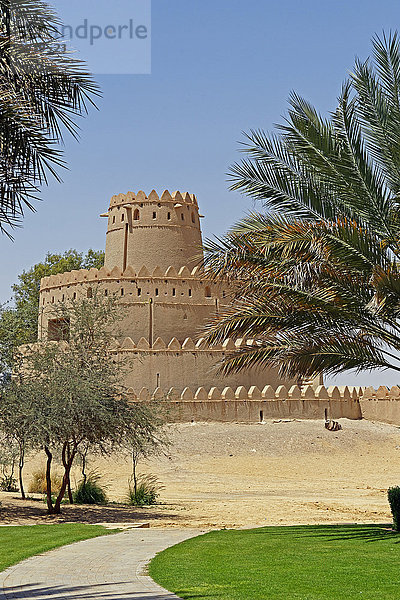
(218, 67)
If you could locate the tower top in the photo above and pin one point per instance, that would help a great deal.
(153, 230)
(139, 197)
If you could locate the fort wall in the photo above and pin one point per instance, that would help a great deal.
(382, 404)
(254, 405)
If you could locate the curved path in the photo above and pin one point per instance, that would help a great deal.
(103, 568)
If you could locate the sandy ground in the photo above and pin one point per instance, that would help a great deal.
(232, 475)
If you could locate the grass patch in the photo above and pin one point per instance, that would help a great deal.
(282, 563)
(18, 543)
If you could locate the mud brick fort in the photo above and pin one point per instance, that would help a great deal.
(153, 264)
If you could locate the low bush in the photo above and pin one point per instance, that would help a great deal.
(8, 484)
(37, 484)
(394, 502)
(147, 491)
(90, 491)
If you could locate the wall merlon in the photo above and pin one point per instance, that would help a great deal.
(281, 392)
(228, 394)
(294, 392)
(321, 392)
(128, 344)
(153, 196)
(201, 394)
(188, 344)
(268, 392)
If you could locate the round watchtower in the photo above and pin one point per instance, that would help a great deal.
(153, 231)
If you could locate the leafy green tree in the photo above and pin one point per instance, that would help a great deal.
(19, 323)
(81, 400)
(44, 89)
(316, 278)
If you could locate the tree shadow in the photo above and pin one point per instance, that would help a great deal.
(368, 532)
(32, 511)
(82, 592)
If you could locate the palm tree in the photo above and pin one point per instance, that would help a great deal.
(316, 277)
(43, 89)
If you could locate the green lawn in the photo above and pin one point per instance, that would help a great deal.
(17, 543)
(285, 563)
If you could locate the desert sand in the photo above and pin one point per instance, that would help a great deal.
(234, 475)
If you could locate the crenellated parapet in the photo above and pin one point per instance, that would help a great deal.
(253, 393)
(141, 198)
(174, 345)
(252, 404)
(116, 274)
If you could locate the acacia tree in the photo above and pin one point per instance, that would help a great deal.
(317, 277)
(82, 398)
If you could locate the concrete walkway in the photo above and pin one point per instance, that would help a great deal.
(104, 568)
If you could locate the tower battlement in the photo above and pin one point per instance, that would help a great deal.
(141, 197)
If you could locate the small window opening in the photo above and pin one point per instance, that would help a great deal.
(185, 317)
(182, 216)
(193, 219)
(261, 416)
(89, 293)
(74, 295)
(44, 301)
(190, 292)
(158, 379)
(139, 291)
(58, 330)
(63, 297)
(169, 216)
(122, 217)
(156, 291)
(52, 299)
(154, 215)
(114, 219)
(173, 291)
(106, 292)
(223, 294)
(136, 215)
(122, 291)
(208, 291)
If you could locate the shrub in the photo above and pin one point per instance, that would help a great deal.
(38, 482)
(89, 491)
(394, 502)
(8, 484)
(147, 491)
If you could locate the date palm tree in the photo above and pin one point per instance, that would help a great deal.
(316, 276)
(43, 89)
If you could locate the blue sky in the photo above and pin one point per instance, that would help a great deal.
(218, 68)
